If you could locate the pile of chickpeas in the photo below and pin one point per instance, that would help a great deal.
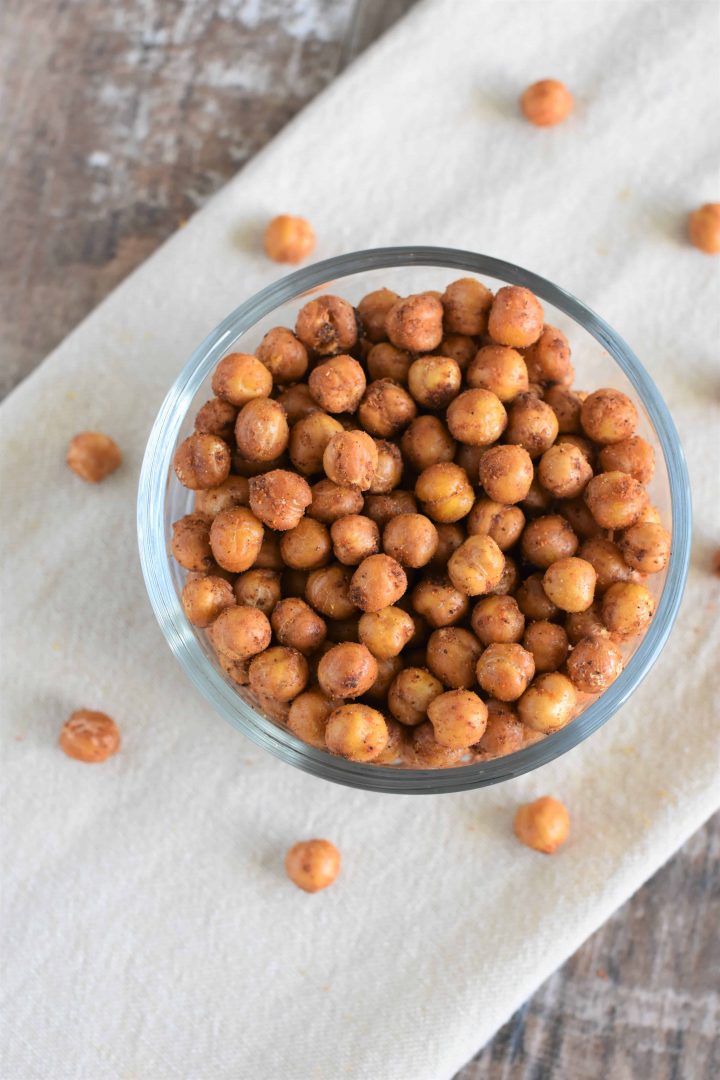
(413, 543)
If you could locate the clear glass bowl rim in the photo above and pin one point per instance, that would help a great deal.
(180, 636)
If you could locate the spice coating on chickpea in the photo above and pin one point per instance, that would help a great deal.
(570, 583)
(615, 500)
(216, 417)
(566, 405)
(389, 470)
(564, 471)
(338, 384)
(531, 424)
(503, 523)
(327, 325)
(382, 508)
(350, 459)
(385, 361)
(415, 323)
(549, 703)
(627, 608)
(312, 865)
(497, 619)
(309, 438)
(477, 565)
(411, 693)
(458, 717)
(499, 369)
(357, 732)
(452, 654)
(386, 632)
(608, 416)
(466, 304)
(542, 825)
(411, 539)
(533, 601)
(89, 736)
(280, 672)
(378, 582)
(546, 102)
(504, 670)
(460, 347)
(439, 602)
(328, 591)
(445, 492)
(506, 473)
(241, 632)
(476, 417)
(548, 359)
(258, 587)
(646, 547)
(547, 539)
(236, 537)
(704, 228)
(307, 546)
(279, 499)
(354, 538)
(294, 623)
(450, 537)
(548, 644)
(434, 381)
(608, 562)
(347, 670)
(516, 317)
(261, 430)
(504, 733)
(240, 377)
(594, 664)
(283, 355)
(288, 239)
(202, 461)
(332, 501)
(427, 753)
(386, 408)
(92, 456)
(234, 491)
(204, 598)
(191, 543)
(634, 456)
(373, 310)
(308, 717)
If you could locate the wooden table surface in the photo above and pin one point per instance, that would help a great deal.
(118, 120)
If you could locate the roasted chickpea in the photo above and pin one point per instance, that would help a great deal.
(373, 310)
(608, 416)
(216, 417)
(415, 323)
(338, 384)
(387, 362)
(458, 717)
(312, 865)
(548, 644)
(477, 565)
(279, 498)
(542, 825)
(202, 461)
(386, 408)
(504, 670)
(356, 732)
(245, 467)
(241, 632)
(261, 430)
(341, 630)
(280, 672)
(634, 456)
(503, 523)
(704, 228)
(437, 600)
(191, 542)
(627, 608)
(232, 492)
(546, 103)
(504, 733)
(452, 654)
(566, 405)
(331, 501)
(288, 239)
(412, 539)
(307, 546)
(498, 619)
(533, 601)
(537, 500)
(549, 703)
(388, 670)
(466, 304)
(476, 417)
(258, 588)
(351, 459)
(615, 500)
(240, 377)
(283, 355)
(298, 402)
(327, 325)
(354, 538)
(92, 456)
(427, 442)
(579, 518)
(434, 381)
(506, 473)
(531, 424)
(347, 670)
(500, 370)
(238, 670)
(377, 583)
(516, 317)
(410, 695)
(646, 547)
(308, 717)
(650, 515)
(269, 557)
(397, 749)
(386, 632)
(445, 492)
(459, 347)
(582, 624)
(594, 664)
(381, 508)
(89, 736)
(579, 442)
(427, 753)
(309, 439)
(547, 539)
(548, 359)
(389, 470)
(450, 537)
(297, 625)
(607, 560)
(570, 583)
(564, 471)
(328, 590)
(204, 598)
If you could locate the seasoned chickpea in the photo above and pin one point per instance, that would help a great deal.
(296, 624)
(627, 608)
(312, 865)
(412, 539)
(332, 501)
(503, 523)
(288, 239)
(412, 691)
(646, 547)
(509, 580)
(570, 583)
(533, 601)
(92, 456)
(191, 542)
(476, 417)
(434, 381)
(283, 355)
(381, 508)
(504, 670)
(338, 384)
(445, 492)
(531, 424)
(615, 500)
(537, 500)
(385, 361)
(377, 583)
(608, 416)
(386, 408)
(373, 310)
(307, 546)
(327, 325)
(566, 405)
(309, 438)
(516, 317)
(450, 537)
(240, 377)
(542, 825)
(351, 459)
(437, 600)
(308, 717)
(216, 417)
(354, 538)
(500, 370)
(468, 458)
(389, 470)
(498, 619)
(704, 228)
(427, 753)
(579, 442)
(258, 588)
(582, 624)
(415, 323)
(269, 557)
(564, 471)
(347, 670)
(548, 644)
(280, 672)
(549, 703)
(548, 359)
(577, 514)
(89, 736)
(245, 467)
(357, 732)
(396, 751)
(238, 670)
(204, 598)
(460, 347)
(594, 664)
(232, 492)
(466, 304)
(504, 733)
(328, 590)
(241, 632)
(477, 565)
(452, 654)
(458, 717)
(298, 402)
(388, 670)
(202, 461)
(386, 632)
(279, 498)
(261, 430)
(547, 539)
(546, 103)
(506, 473)
(634, 456)
(607, 560)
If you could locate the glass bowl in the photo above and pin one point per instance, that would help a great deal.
(601, 357)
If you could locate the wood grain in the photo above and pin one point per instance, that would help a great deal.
(118, 120)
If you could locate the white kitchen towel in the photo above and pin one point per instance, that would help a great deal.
(149, 932)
